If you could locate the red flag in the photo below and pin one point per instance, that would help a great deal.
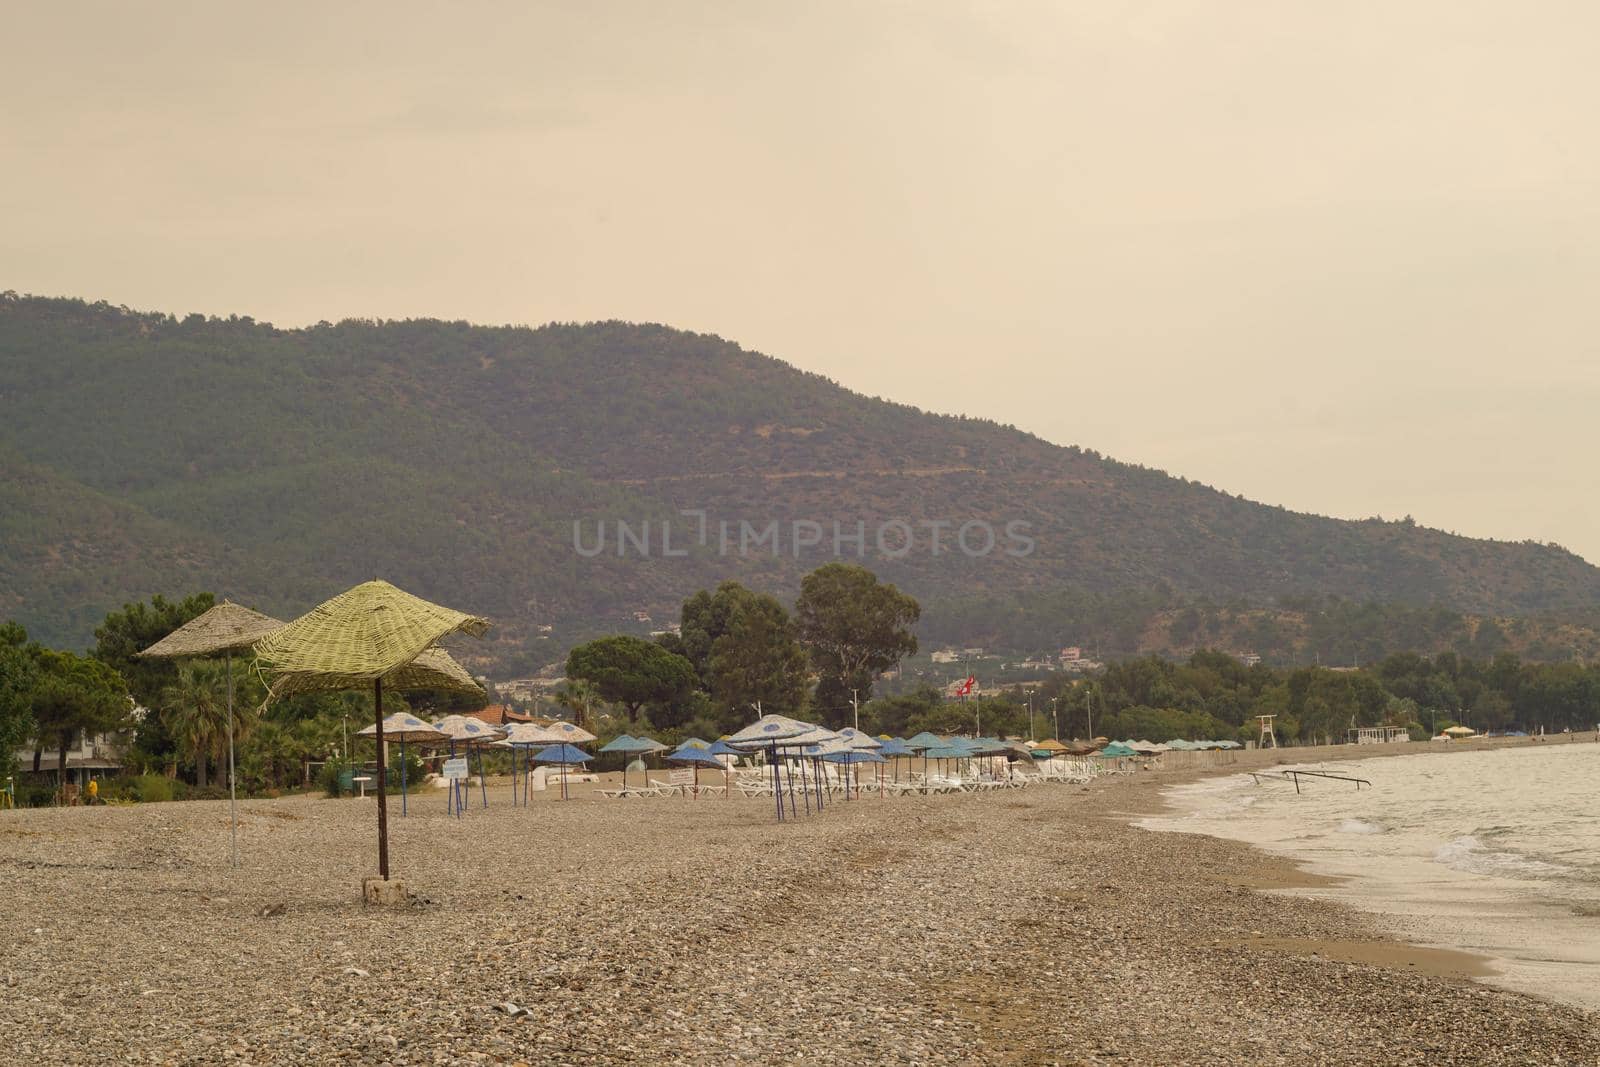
(965, 688)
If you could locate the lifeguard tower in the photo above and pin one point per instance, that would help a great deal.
(1269, 739)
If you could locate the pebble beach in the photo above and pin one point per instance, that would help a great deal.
(1021, 926)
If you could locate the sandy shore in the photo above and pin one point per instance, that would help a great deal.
(1024, 926)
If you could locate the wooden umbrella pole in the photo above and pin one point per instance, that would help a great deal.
(383, 807)
(233, 800)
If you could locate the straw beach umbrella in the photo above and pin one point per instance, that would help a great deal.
(403, 726)
(768, 732)
(226, 628)
(567, 733)
(470, 732)
(373, 635)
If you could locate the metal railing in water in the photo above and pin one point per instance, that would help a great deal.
(1294, 776)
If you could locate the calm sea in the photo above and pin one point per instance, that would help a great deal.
(1496, 851)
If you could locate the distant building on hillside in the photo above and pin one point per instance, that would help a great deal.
(525, 689)
(1071, 654)
(946, 655)
(1249, 659)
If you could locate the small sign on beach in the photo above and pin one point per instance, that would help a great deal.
(455, 768)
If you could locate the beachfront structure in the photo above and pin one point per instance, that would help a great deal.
(91, 755)
(500, 715)
(1379, 735)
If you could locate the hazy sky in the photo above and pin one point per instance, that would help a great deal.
(1343, 257)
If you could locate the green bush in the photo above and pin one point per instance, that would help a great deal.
(35, 796)
(328, 776)
(415, 772)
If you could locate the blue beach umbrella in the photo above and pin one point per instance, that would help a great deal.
(649, 746)
(627, 745)
(563, 756)
(851, 757)
(696, 756)
(893, 748)
(921, 743)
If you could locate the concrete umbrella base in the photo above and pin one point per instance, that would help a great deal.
(377, 890)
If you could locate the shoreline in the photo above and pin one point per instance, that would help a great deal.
(1356, 884)
(1019, 927)
(1278, 872)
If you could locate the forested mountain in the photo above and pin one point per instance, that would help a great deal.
(146, 453)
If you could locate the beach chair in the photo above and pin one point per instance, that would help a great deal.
(624, 793)
(754, 787)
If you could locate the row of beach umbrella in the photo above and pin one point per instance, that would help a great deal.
(376, 636)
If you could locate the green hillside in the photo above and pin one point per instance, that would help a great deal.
(145, 453)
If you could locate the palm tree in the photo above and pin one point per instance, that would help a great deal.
(196, 709)
(578, 697)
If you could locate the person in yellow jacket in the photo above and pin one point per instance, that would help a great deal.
(94, 790)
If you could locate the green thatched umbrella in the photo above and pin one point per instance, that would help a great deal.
(225, 628)
(373, 634)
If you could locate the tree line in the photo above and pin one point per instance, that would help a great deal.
(739, 653)
(176, 711)
(1212, 695)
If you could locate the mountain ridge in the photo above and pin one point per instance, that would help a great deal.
(280, 464)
